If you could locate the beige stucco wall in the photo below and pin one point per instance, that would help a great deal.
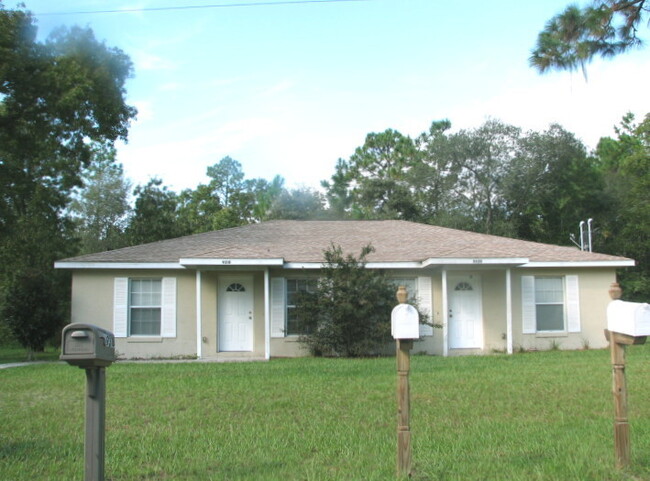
(594, 285)
(92, 301)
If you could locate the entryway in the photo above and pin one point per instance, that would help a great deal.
(235, 314)
(465, 312)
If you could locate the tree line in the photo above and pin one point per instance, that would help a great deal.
(495, 179)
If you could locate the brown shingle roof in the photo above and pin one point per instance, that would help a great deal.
(305, 241)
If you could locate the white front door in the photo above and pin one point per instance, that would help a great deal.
(235, 314)
(465, 312)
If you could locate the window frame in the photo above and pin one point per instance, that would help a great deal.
(289, 307)
(131, 307)
(538, 303)
(572, 304)
(399, 281)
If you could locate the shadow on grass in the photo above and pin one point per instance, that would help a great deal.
(22, 450)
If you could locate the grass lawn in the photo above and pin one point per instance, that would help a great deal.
(538, 416)
(16, 353)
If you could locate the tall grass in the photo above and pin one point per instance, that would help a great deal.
(541, 416)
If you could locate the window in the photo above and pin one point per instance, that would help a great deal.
(294, 287)
(235, 287)
(284, 293)
(145, 307)
(411, 287)
(550, 304)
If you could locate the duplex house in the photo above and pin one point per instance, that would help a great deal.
(229, 294)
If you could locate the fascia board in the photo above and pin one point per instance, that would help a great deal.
(117, 265)
(230, 262)
(532, 265)
(394, 265)
(464, 261)
(369, 265)
(304, 265)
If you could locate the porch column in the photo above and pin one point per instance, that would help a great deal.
(199, 315)
(267, 314)
(445, 315)
(509, 311)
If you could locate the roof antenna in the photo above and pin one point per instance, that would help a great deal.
(572, 238)
(585, 244)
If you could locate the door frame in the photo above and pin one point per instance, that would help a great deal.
(453, 280)
(223, 282)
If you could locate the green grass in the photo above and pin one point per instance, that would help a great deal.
(16, 353)
(538, 416)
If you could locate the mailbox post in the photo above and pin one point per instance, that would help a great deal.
(627, 323)
(93, 349)
(404, 327)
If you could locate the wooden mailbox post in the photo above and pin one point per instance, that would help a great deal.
(404, 327)
(627, 323)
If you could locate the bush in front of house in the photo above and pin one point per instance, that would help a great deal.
(348, 313)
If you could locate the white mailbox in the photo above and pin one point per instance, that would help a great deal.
(631, 318)
(405, 322)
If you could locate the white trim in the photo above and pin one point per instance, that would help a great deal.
(267, 314)
(528, 306)
(425, 301)
(441, 262)
(421, 265)
(168, 293)
(478, 261)
(572, 296)
(121, 306)
(394, 265)
(629, 263)
(445, 315)
(278, 306)
(189, 261)
(304, 265)
(199, 315)
(509, 311)
(369, 265)
(117, 265)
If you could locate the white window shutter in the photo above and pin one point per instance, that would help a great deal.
(573, 303)
(425, 304)
(120, 306)
(528, 311)
(168, 308)
(278, 309)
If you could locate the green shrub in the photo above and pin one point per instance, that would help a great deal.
(348, 313)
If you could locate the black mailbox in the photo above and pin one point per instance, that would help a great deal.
(87, 346)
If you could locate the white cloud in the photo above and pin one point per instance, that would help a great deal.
(145, 60)
(588, 109)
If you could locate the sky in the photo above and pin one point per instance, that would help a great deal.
(289, 88)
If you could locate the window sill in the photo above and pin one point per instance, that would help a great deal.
(552, 334)
(143, 340)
